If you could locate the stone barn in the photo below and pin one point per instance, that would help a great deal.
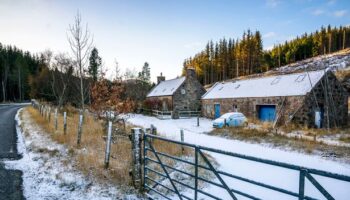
(313, 99)
(179, 94)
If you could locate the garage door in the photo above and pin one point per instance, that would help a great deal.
(267, 112)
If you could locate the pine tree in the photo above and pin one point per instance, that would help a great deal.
(95, 62)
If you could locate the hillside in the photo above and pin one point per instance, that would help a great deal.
(338, 62)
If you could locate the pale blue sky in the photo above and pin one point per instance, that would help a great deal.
(161, 32)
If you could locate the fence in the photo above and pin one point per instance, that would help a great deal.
(162, 114)
(163, 170)
(189, 113)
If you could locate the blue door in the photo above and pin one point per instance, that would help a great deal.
(217, 110)
(267, 112)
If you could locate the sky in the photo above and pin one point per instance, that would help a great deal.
(161, 32)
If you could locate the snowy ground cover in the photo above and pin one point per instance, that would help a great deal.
(48, 171)
(275, 176)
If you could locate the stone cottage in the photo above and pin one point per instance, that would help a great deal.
(177, 94)
(313, 99)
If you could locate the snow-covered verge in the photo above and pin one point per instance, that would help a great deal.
(48, 171)
(271, 175)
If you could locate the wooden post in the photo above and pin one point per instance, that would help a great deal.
(182, 140)
(136, 156)
(56, 119)
(108, 144)
(49, 114)
(198, 121)
(153, 130)
(80, 127)
(65, 122)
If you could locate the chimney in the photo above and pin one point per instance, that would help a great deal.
(190, 72)
(160, 78)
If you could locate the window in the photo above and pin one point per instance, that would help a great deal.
(300, 78)
(235, 108)
(183, 91)
(276, 80)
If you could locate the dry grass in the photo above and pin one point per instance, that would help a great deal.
(280, 141)
(89, 156)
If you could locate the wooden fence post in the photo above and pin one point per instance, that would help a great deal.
(108, 144)
(80, 128)
(153, 130)
(65, 122)
(56, 119)
(198, 121)
(136, 156)
(182, 140)
(49, 114)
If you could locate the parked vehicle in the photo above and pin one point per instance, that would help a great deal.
(231, 119)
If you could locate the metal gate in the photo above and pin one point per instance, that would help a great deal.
(158, 178)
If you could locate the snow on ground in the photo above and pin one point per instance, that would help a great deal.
(334, 62)
(47, 171)
(275, 176)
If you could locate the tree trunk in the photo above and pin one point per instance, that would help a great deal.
(19, 84)
(3, 92)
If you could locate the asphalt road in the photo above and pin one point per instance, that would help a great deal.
(10, 180)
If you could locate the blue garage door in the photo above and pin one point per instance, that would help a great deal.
(267, 112)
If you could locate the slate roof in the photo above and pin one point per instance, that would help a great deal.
(166, 88)
(282, 85)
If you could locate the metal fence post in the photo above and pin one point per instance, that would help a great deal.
(108, 144)
(144, 160)
(302, 183)
(56, 119)
(196, 173)
(65, 122)
(182, 140)
(80, 128)
(198, 121)
(136, 156)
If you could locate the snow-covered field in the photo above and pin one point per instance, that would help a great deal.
(48, 172)
(275, 176)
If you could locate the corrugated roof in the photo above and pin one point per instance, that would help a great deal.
(166, 88)
(282, 85)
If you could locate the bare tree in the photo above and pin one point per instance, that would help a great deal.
(61, 73)
(80, 41)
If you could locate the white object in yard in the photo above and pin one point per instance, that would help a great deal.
(318, 119)
(230, 119)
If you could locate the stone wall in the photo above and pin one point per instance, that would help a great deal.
(250, 106)
(298, 109)
(335, 107)
(188, 95)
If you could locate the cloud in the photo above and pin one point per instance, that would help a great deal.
(272, 3)
(331, 2)
(317, 12)
(339, 13)
(269, 35)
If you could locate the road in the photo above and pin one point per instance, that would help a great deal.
(10, 180)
